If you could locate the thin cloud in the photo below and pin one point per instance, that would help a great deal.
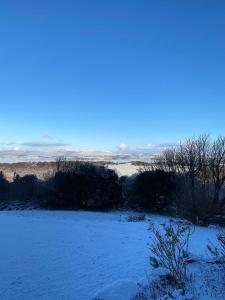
(44, 144)
(47, 137)
(8, 144)
(51, 155)
(31, 155)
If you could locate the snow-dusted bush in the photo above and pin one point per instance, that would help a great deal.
(221, 238)
(218, 252)
(169, 247)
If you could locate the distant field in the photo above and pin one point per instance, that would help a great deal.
(40, 169)
(43, 169)
(125, 169)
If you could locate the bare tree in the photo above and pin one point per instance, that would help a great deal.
(192, 159)
(217, 166)
(168, 160)
(60, 163)
(203, 163)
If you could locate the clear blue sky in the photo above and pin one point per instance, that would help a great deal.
(95, 74)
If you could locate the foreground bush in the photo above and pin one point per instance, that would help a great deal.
(218, 252)
(170, 250)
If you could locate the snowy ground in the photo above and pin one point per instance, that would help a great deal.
(70, 255)
(125, 169)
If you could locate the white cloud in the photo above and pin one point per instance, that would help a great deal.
(150, 145)
(122, 146)
(47, 137)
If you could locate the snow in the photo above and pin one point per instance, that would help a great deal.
(73, 255)
(120, 290)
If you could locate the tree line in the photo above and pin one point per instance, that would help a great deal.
(200, 162)
(186, 180)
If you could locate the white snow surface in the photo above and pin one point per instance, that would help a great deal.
(120, 289)
(72, 255)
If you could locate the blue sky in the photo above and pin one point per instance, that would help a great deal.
(95, 74)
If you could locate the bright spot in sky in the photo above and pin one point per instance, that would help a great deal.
(122, 146)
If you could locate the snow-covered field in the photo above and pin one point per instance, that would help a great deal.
(124, 169)
(71, 255)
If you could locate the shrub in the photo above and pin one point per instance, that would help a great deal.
(218, 252)
(221, 239)
(24, 188)
(4, 187)
(202, 198)
(153, 190)
(170, 250)
(84, 186)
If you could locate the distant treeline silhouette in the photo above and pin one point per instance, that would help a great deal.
(187, 180)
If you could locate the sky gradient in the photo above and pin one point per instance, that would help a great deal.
(99, 74)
